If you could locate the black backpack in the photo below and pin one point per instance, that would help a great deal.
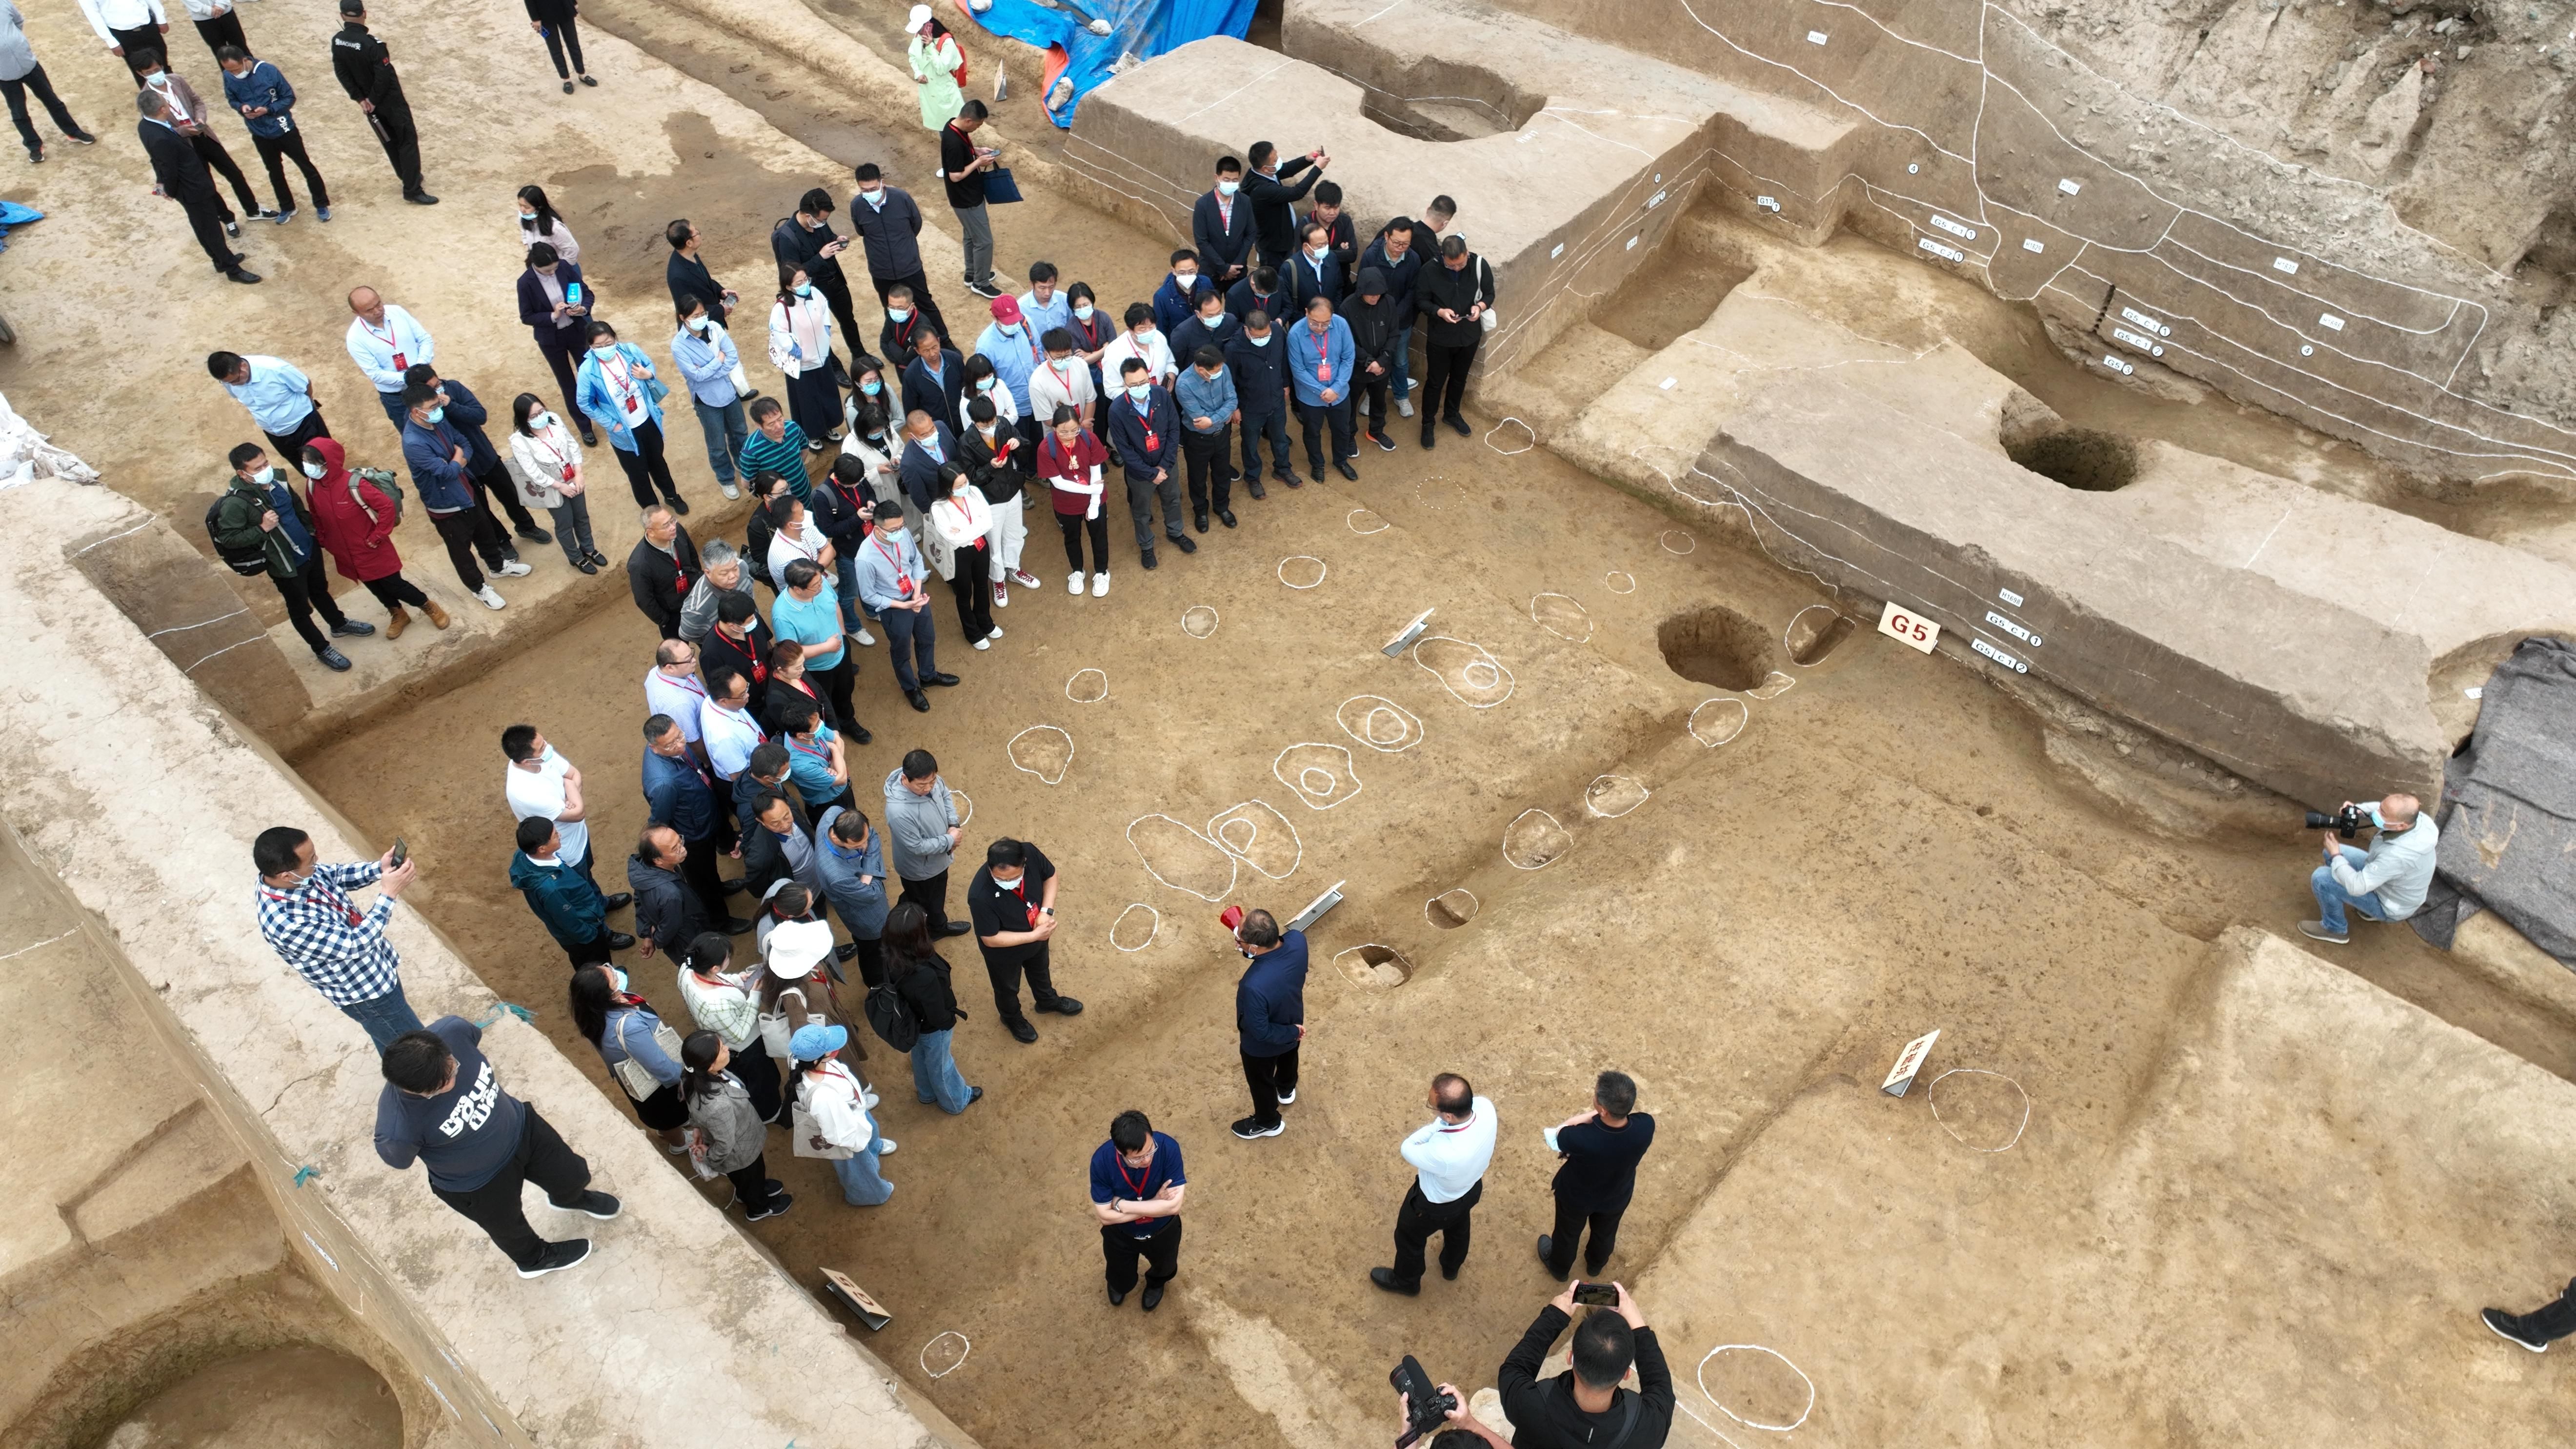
(891, 1017)
(250, 563)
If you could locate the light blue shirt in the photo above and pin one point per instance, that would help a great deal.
(2399, 867)
(810, 766)
(1042, 316)
(811, 622)
(1204, 397)
(1013, 359)
(1306, 357)
(880, 563)
(708, 363)
(374, 348)
(279, 397)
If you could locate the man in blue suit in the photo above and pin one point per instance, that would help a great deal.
(1269, 1019)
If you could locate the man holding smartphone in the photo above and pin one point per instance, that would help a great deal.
(305, 913)
(806, 240)
(1584, 1407)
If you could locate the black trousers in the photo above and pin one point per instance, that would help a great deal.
(211, 150)
(497, 484)
(1006, 967)
(751, 1185)
(871, 959)
(770, 1096)
(932, 896)
(401, 140)
(1373, 387)
(1418, 1219)
(1314, 418)
(1444, 380)
(541, 1158)
(1269, 1078)
(223, 30)
(565, 36)
(132, 42)
(593, 952)
(465, 532)
(1210, 457)
(16, 90)
(1272, 425)
(921, 298)
(706, 853)
(837, 683)
(973, 590)
(1161, 1250)
(306, 594)
(288, 448)
(1073, 525)
(646, 468)
(1570, 1223)
(561, 362)
(393, 591)
(206, 219)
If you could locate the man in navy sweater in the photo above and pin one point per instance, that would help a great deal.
(1145, 434)
(1270, 1017)
(1258, 358)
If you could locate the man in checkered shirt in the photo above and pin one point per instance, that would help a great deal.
(306, 914)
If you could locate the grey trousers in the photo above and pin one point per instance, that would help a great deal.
(976, 226)
(1140, 506)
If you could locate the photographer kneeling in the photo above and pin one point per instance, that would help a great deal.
(2386, 882)
(1584, 1407)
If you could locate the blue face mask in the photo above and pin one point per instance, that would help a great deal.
(872, 388)
(1084, 312)
(804, 289)
(983, 384)
(1228, 188)
(1141, 391)
(904, 314)
(435, 414)
(1012, 330)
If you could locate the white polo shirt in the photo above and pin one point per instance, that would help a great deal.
(1451, 1157)
(540, 792)
(730, 740)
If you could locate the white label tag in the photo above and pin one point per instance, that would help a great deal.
(1632, 246)
(1651, 203)
(2028, 244)
(1999, 656)
(2124, 335)
(1767, 203)
(2009, 597)
(1906, 628)
(2285, 266)
(2009, 627)
(2112, 361)
(2149, 323)
(1909, 1063)
(2328, 319)
(1552, 255)
(1946, 253)
(2069, 187)
(1815, 37)
(1943, 223)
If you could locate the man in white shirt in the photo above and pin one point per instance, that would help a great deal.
(127, 26)
(385, 341)
(725, 727)
(541, 783)
(1449, 1155)
(1142, 342)
(671, 687)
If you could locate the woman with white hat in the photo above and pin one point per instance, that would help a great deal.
(790, 998)
(833, 1120)
(938, 67)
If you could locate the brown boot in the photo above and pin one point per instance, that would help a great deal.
(437, 615)
(395, 625)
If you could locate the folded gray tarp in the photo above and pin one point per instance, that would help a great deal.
(2509, 807)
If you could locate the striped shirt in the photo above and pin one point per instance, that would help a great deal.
(786, 458)
(330, 942)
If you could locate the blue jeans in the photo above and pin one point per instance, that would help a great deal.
(2332, 898)
(934, 1072)
(845, 572)
(1400, 382)
(861, 1184)
(726, 432)
(385, 1017)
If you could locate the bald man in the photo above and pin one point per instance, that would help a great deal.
(385, 341)
(2384, 883)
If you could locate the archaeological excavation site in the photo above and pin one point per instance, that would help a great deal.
(1947, 492)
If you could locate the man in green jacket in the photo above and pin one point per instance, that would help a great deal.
(573, 910)
(261, 525)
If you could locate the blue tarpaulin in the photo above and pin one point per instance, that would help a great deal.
(12, 214)
(1143, 28)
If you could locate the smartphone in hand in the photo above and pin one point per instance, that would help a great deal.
(402, 852)
(1596, 1295)
(572, 294)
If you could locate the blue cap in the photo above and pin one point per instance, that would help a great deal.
(813, 1043)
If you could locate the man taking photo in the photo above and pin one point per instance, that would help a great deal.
(1584, 1407)
(2386, 882)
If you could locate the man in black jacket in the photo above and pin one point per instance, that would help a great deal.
(366, 72)
(1376, 319)
(1145, 438)
(1274, 201)
(661, 569)
(807, 240)
(184, 179)
(1258, 356)
(668, 914)
(888, 222)
(1221, 227)
(934, 379)
(1451, 297)
(1394, 257)
(1584, 1407)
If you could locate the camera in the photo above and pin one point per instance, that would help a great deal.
(1425, 1407)
(2346, 822)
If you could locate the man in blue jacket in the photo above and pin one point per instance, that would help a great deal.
(1259, 291)
(680, 794)
(1270, 1018)
(1257, 356)
(1221, 225)
(1320, 358)
(441, 466)
(1172, 299)
(258, 90)
(1204, 393)
(571, 908)
(1145, 435)
(468, 416)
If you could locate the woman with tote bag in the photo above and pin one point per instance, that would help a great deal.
(832, 1118)
(642, 1054)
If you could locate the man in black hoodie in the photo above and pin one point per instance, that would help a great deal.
(1376, 317)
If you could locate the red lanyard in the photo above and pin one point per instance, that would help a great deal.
(1135, 1185)
(321, 891)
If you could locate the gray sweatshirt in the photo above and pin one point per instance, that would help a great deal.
(916, 827)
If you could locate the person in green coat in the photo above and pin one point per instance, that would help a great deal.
(938, 67)
(260, 525)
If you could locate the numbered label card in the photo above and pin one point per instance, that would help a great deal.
(1907, 627)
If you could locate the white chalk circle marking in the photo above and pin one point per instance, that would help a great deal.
(1773, 685)
(953, 1364)
(1702, 1375)
(1379, 723)
(1535, 840)
(1790, 629)
(1250, 831)
(1481, 674)
(1314, 760)
(1198, 621)
(1048, 765)
(1468, 671)
(1302, 558)
(965, 804)
(1364, 522)
(1686, 544)
(1719, 728)
(1457, 916)
(1611, 796)
(1153, 927)
(1619, 582)
(1931, 1095)
(1233, 866)
(1511, 452)
(1087, 686)
(1561, 615)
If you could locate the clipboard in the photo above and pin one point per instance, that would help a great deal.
(999, 187)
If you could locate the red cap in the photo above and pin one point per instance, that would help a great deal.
(1006, 310)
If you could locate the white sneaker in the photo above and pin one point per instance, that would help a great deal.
(1404, 408)
(731, 491)
(885, 1148)
(868, 1098)
(512, 568)
(1024, 579)
(984, 643)
(1001, 594)
(490, 599)
(1100, 584)
(867, 639)
(1073, 583)
(993, 633)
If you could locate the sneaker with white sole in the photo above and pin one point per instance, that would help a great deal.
(2316, 931)
(868, 1098)
(558, 1256)
(995, 633)
(867, 639)
(1001, 594)
(1288, 1097)
(1100, 584)
(885, 1148)
(489, 598)
(512, 568)
(1249, 1128)
(1404, 409)
(731, 491)
(2509, 1327)
(1073, 583)
(1024, 578)
(985, 643)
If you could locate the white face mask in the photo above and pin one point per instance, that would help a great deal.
(904, 314)
(873, 198)
(265, 475)
(1188, 281)
(699, 324)
(527, 216)
(1141, 391)
(160, 81)
(1257, 339)
(1319, 253)
(542, 421)
(1228, 188)
(1083, 312)
(315, 471)
(603, 349)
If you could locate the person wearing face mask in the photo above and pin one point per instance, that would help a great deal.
(997, 459)
(306, 916)
(905, 323)
(1071, 461)
(964, 166)
(185, 114)
(1012, 903)
(1011, 345)
(1205, 397)
(1142, 342)
(1145, 433)
(958, 538)
(620, 392)
(928, 446)
(354, 520)
(869, 412)
(1092, 332)
(1269, 1019)
(1221, 226)
(1373, 314)
(890, 578)
(1274, 201)
(465, 415)
(1259, 362)
(888, 223)
(776, 448)
(452, 495)
(1259, 291)
(556, 304)
(983, 384)
(1210, 325)
(938, 68)
(261, 522)
(1395, 258)
(2384, 883)
(545, 463)
(1343, 237)
(259, 92)
(934, 381)
(566, 902)
(386, 341)
(539, 222)
(841, 505)
(1316, 271)
(641, 1053)
(1173, 300)
(806, 242)
(1063, 380)
(1320, 357)
(686, 274)
(708, 363)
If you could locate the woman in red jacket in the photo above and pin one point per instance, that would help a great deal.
(354, 521)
